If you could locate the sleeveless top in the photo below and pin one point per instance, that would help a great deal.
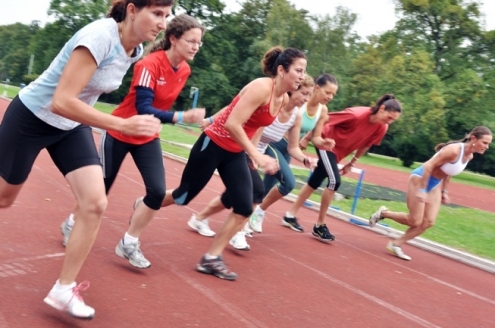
(260, 117)
(309, 122)
(276, 131)
(457, 167)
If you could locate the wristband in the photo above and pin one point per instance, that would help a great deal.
(305, 161)
(179, 116)
(423, 190)
(354, 157)
(210, 119)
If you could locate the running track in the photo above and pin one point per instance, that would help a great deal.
(286, 279)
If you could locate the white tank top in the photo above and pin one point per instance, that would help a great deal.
(276, 131)
(457, 167)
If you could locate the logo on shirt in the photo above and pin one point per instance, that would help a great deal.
(161, 81)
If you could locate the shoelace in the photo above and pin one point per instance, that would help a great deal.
(75, 291)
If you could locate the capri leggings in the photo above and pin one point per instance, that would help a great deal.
(327, 168)
(23, 136)
(258, 189)
(278, 150)
(205, 157)
(148, 159)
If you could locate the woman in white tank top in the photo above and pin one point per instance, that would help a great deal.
(424, 196)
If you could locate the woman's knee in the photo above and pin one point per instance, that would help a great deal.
(154, 197)
(94, 206)
(287, 186)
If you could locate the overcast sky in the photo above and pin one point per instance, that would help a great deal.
(374, 16)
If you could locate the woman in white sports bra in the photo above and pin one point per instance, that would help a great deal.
(424, 196)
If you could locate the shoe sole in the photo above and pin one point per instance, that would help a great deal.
(288, 225)
(198, 231)
(57, 306)
(326, 241)
(394, 253)
(122, 255)
(204, 270)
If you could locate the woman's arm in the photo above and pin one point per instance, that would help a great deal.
(293, 145)
(448, 154)
(445, 193)
(76, 75)
(318, 140)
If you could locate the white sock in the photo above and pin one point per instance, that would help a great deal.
(259, 210)
(288, 215)
(70, 220)
(59, 287)
(208, 256)
(128, 239)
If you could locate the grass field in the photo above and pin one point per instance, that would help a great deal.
(462, 228)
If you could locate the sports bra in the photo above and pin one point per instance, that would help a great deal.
(309, 122)
(456, 167)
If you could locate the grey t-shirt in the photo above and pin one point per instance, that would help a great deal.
(102, 39)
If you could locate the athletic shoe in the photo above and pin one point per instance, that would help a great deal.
(323, 234)
(397, 251)
(239, 241)
(70, 301)
(256, 221)
(377, 216)
(132, 252)
(216, 267)
(66, 229)
(292, 223)
(201, 226)
(247, 230)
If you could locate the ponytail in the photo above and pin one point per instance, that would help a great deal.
(391, 104)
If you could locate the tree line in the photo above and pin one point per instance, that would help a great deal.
(438, 61)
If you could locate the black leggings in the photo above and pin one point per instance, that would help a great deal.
(205, 157)
(327, 168)
(148, 159)
(258, 188)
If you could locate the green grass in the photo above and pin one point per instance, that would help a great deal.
(9, 91)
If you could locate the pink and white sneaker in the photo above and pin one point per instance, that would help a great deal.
(70, 301)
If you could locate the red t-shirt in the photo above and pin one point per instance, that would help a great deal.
(155, 72)
(351, 129)
(260, 117)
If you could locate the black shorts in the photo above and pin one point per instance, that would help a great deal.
(23, 136)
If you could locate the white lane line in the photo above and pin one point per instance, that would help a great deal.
(358, 291)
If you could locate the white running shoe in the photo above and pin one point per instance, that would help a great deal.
(132, 252)
(66, 229)
(397, 251)
(239, 241)
(201, 226)
(247, 230)
(256, 220)
(70, 301)
(377, 216)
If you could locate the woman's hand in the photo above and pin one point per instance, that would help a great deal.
(328, 144)
(204, 123)
(194, 116)
(346, 169)
(141, 126)
(445, 198)
(303, 143)
(268, 165)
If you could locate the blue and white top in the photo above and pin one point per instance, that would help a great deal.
(102, 39)
(276, 131)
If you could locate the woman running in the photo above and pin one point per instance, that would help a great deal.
(427, 187)
(55, 112)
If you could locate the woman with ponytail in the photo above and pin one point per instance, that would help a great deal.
(224, 145)
(55, 112)
(157, 82)
(336, 136)
(427, 187)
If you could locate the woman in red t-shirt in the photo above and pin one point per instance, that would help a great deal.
(157, 82)
(225, 144)
(336, 136)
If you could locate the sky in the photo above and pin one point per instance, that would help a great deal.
(373, 16)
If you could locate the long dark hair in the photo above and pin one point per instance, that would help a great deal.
(391, 104)
(278, 56)
(118, 9)
(478, 132)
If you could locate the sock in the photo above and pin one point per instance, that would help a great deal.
(59, 287)
(70, 220)
(208, 256)
(288, 215)
(317, 225)
(259, 210)
(128, 239)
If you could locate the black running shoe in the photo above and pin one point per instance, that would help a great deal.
(217, 268)
(323, 234)
(292, 223)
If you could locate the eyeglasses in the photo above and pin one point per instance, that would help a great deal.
(192, 42)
